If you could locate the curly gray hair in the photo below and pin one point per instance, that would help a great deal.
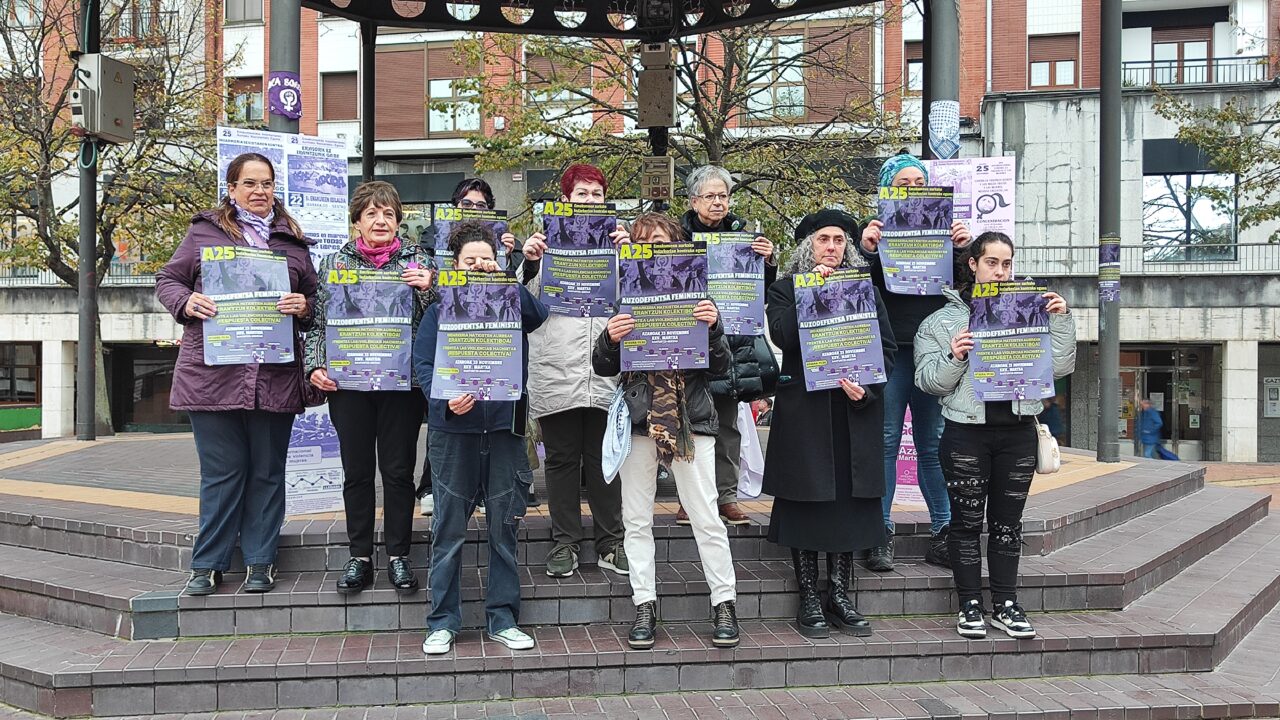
(803, 260)
(702, 174)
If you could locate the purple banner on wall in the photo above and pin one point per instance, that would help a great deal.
(1012, 358)
(284, 94)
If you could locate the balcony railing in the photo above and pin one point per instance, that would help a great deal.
(119, 275)
(1213, 71)
(1168, 259)
(133, 26)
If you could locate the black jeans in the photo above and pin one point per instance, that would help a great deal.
(988, 470)
(378, 430)
(573, 439)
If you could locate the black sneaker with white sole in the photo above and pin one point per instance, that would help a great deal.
(970, 623)
(1011, 618)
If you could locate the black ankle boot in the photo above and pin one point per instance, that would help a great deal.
(809, 618)
(840, 609)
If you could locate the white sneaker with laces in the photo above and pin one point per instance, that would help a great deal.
(514, 638)
(438, 642)
(427, 504)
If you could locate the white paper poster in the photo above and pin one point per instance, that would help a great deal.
(311, 179)
(1271, 397)
(984, 191)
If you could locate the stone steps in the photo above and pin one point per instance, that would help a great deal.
(1052, 521)
(1186, 625)
(1106, 571)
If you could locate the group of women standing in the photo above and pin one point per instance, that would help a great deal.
(829, 464)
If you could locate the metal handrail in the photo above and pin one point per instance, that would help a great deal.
(1211, 71)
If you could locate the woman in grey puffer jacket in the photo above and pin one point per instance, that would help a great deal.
(988, 449)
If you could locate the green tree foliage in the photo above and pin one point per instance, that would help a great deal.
(149, 188)
(1240, 136)
(784, 106)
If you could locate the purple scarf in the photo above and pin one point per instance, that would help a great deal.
(256, 229)
(378, 256)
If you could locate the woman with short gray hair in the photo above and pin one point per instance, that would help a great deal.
(754, 371)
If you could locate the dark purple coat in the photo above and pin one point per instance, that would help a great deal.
(196, 386)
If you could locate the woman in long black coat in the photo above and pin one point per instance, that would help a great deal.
(825, 462)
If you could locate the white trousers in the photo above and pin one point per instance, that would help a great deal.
(696, 484)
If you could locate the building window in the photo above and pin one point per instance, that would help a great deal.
(1189, 217)
(339, 96)
(244, 101)
(560, 92)
(453, 108)
(19, 373)
(244, 11)
(1181, 56)
(913, 55)
(778, 91)
(1054, 61)
(24, 13)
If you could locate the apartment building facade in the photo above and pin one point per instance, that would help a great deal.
(1199, 329)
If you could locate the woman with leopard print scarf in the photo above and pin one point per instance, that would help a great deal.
(674, 425)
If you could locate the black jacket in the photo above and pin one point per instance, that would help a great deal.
(606, 360)
(906, 312)
(753, 374)
(805, 451)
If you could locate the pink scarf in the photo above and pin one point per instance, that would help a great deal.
(378, 256)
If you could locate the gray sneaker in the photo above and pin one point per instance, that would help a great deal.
(615, 560)
(562, 561)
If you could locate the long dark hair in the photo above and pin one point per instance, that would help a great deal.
(226, 211)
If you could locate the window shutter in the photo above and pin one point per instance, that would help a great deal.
(1048, 48)
(401, 94)
(340, 96)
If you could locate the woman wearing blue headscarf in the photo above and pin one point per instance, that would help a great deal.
(906, 312)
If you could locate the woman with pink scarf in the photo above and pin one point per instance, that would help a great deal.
(376, 428)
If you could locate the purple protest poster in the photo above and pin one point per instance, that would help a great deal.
(246, 283)
(839, 329)
(368, 331)
(1109, 269)
(579, 269)
(284, 94)
(1012, 358)
(735, 280)
(479, 351)
(446, 217)
(915, 242)
(660, 284)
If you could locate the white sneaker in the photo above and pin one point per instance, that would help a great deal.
(427, 504)
(514, 638)
(438, 642)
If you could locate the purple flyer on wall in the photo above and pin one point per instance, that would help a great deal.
(479, 351)
(660, 284)
(368, 331)
(246, 283)
(579, 269)
(915, 242)
(1012, 358)
(1109, 269)
(839, 329)
(735, 280)
(446, 217)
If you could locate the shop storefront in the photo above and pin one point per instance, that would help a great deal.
(1177, 380)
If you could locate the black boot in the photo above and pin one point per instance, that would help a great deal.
(644, 631)
(880, 559)
(840, 609)
(809, 618)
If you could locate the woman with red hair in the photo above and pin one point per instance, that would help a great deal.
(571, 404)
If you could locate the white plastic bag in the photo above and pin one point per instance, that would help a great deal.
(751, 467)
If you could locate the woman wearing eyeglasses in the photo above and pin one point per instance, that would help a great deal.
(241, 415)
(754, 371)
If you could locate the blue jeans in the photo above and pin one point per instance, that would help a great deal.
(1149, 450)
(926, 430)
(242, 457)
(465, 468)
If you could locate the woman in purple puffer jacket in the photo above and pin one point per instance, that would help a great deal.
(241, 415)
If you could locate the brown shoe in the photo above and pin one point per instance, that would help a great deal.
(731, 514)
(682, 517)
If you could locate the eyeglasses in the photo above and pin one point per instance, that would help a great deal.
(714, 197)
(473, 205)
(253, 185)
